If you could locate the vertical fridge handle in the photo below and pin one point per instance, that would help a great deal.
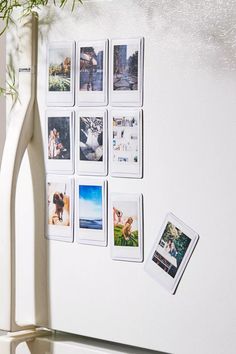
(19, 135)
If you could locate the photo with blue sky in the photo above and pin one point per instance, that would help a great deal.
(90, 207)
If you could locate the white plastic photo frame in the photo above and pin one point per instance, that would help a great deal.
(59, 141)
(171, 252)
(91, 142)
(61, 74)
(126, 72)
(91, 211)
(92, 73)
(126, 147)
(126, 227)
(59, 208)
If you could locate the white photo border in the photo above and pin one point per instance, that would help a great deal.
(61, 98)
(127, 98)
(90, 236)
(156, 272)
(122, 169)
(127, 253)
(60, 166)
(60, 233)
(92, 168)
(93, 98)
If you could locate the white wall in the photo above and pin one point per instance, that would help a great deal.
(189, 169)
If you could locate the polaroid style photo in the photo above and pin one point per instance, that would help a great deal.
(92, 73)
(126, 227)
(126, 72)
(91, 142)
(91, 211)
(59, 141)
(59, 210)
(126, 158)
(171, 252)
(61, 74)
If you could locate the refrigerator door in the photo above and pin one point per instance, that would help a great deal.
(189, 170)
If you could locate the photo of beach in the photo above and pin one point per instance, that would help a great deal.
(58, 204)
(90, 207)
(125, 223)
(59, 69)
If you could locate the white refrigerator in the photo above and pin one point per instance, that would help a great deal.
(189, 169)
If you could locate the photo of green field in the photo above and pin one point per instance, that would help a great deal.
(125, 221)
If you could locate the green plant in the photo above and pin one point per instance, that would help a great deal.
(11, 84)
(26, 7)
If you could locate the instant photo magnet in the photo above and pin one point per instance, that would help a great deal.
(92, 73)
(126, 157)
(171, 252)
(91, 211)
(126, 72)
(61, 74)
(59, 210)
(91, 142)
(59, 141)
(126, 228)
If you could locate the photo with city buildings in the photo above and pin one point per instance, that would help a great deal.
(91, 68)
(125, 67)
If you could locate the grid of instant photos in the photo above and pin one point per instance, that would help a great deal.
(85, 141)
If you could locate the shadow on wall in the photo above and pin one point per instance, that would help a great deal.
(210, 26)
(2, 98)
(204, 29)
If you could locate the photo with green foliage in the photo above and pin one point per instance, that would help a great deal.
(180, 240)
(171, 249)
(125, 221)
(59, 69)
(119, 238)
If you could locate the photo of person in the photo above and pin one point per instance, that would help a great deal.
(90, 207)
(125, 222)
(125, 143)
(91, 68)
(59, 138)
(59, 69)
(171, 249)
(58, 204)
(125, 67)
(91, 139)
